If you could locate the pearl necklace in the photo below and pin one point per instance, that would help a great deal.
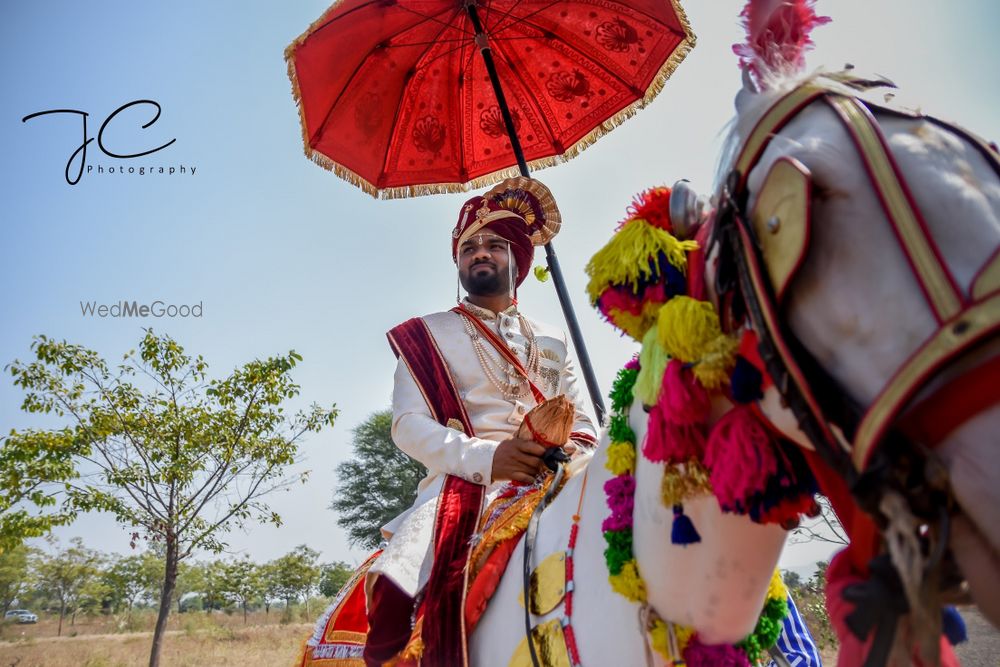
(502, 375)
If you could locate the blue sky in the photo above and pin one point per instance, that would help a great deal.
(281, 253)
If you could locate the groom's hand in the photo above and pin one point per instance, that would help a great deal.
(518, 460)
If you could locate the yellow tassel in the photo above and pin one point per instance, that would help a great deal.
(777, 589)
(659, 639)
(714, 367)
(686, 326)
(652, 364)
(682, 482)
(636, 326)
(628, 583)
(697, 478)
(624, 260)
(689, 330)
(673, 488)
(621, 458)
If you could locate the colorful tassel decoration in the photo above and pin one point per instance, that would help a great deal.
(746, 382)
(625, 258)
(652, 362)
(751, 473)
(716, 655)
(653, 206)
(681, 482)
(689, 330)
(672, 443)
(682, 398)
(740, 458)
(683, 531)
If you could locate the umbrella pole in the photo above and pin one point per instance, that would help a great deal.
(583, 357)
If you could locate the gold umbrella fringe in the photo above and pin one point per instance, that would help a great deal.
(401, 192)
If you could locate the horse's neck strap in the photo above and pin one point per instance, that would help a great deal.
(963, 321)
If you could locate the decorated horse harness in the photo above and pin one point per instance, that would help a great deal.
(881, 464)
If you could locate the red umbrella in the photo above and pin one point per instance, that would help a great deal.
(393, 98)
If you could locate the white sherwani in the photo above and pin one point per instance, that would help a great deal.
(408, 557)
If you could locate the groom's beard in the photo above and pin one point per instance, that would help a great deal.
(483, 283)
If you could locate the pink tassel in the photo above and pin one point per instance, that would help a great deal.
(672, 443)
(683, 399)
(697, 654)
(678, 421)
(740, 458)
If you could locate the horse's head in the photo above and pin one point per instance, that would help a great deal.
(706, 520)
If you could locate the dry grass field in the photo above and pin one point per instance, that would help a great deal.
(193, 640)
(201, 640)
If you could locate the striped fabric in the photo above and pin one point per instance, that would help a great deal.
(795, 642)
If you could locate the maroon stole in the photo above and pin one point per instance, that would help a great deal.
(459, 503)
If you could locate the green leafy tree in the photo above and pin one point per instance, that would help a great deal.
(297, 574)
(190, 580)
(333, 576)
(240, 583)
(793, 580)
(67, 576)
(14, 576)
(133, 578)
(183, 460)
(376, 484)
(213, 587)
(270, 585)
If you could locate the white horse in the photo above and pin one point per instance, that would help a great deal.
(855, 304)
(716, 586)
(857, 308)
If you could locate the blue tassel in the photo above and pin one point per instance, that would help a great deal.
(683, 531)
(746, 382)
(953, 626)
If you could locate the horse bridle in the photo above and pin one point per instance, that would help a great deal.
(896, 467)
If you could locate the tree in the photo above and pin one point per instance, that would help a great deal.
(333, 576)
(376, 484)
(296, 574)
(190, 579)
(240, 583)
(66, 574)
(810, 598)
(133, 578)
(825, 527)
(792, 579)
(183, 461)
(213, 587)
(13, 576)
(270, 586)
